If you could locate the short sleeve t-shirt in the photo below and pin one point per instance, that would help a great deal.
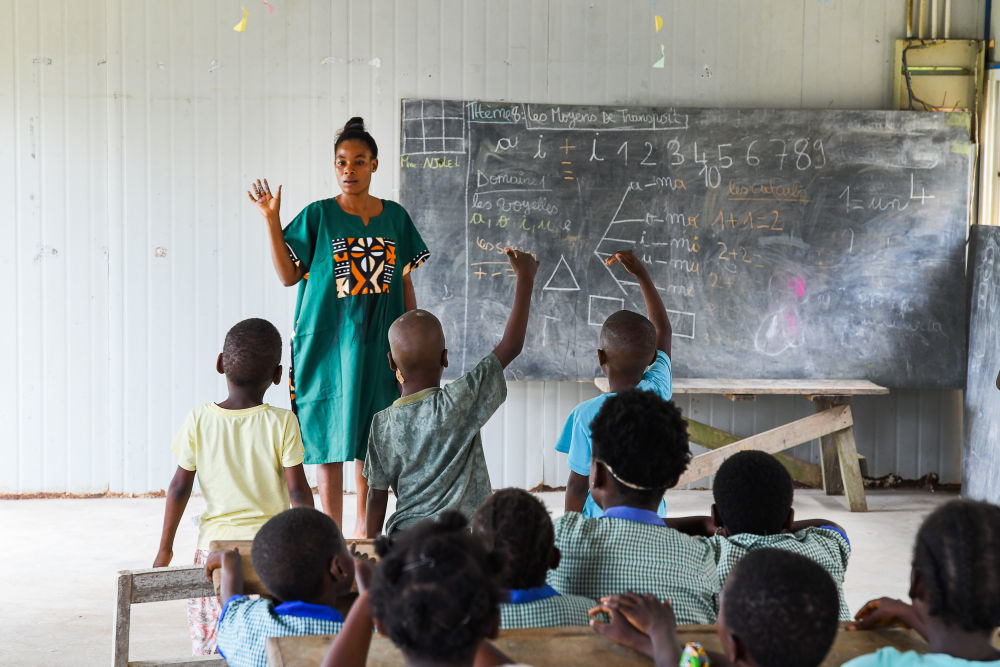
(826, 546)
(893, 657)
(427, 447)
(239, 457)
(246, 624)
(575, 438)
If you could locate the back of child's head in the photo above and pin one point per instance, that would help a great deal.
(643, 442)
(515, 524)
(957, 555)
(251, 352)
(782, 606)
(293, 550)
(435, 591)
(416, 340)
(629, 341)
(753, 493)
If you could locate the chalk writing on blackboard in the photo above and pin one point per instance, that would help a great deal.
(784, 243)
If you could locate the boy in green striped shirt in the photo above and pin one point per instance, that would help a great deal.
(640, 449)
(753, 510)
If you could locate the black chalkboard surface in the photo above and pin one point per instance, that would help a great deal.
(981, 459)
(785, 244)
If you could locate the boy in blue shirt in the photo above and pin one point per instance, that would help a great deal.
(303, 561)
(633, 352)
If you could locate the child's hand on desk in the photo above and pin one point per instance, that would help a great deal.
(524, 263)
(618, 629)
(628, 260)
(883, 612)
(216, 558)
(163, 558)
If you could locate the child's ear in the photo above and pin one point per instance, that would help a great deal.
(598, 474)
(554, 557)
(218, 365)
(379, 628)
(444, 358)
(602, 358)
(737, 651)
(277, 375)
(374, 165)
(717, 518)
(789, 520)
(392, 362)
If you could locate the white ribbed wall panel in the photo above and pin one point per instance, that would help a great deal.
(130, 129)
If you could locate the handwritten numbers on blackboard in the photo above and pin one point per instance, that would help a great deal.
(922, 196)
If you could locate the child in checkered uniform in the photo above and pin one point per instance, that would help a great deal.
(640, 449)
(778, 608)
(753, 509)
(516, 524)
(302, 560)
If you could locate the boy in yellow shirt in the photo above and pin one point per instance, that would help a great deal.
(248, 458)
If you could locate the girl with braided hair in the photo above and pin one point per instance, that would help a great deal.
(434, 593)
(954, 591)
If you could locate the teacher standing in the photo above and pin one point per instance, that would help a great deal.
(351, 256)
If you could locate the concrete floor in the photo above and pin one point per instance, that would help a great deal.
(59, 561)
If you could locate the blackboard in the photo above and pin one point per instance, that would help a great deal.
(785, 244)
(981, 459)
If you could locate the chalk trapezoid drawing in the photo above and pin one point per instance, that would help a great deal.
(562, 278)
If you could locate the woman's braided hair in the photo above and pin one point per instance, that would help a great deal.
(435, 590)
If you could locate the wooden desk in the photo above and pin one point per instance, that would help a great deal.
(252, 584)
(833, 424)
(577, 645)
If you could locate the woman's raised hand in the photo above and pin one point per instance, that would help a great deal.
(268, 204)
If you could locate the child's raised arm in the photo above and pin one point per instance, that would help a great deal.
(177, 498)
(655, 310)
(232, 572)
(270, 206)
(350, 648)
(525, 265)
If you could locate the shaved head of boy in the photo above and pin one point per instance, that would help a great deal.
(627, 344)
(416, 346)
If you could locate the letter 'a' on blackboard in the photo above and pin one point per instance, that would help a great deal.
(785, 244)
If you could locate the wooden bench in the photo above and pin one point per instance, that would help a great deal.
(157, 585)
(833, 424)
(179, 583)
(579, 645)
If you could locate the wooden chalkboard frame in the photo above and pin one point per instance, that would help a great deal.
(786, 243)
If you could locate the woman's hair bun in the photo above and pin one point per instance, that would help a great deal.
(355, 123)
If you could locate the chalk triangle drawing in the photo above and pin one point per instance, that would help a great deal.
(563, 279)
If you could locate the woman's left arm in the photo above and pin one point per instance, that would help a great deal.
(409, 297)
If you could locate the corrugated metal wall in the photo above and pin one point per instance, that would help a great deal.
(130, 129)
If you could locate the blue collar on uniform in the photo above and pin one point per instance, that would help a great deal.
(633, 514)
(308, 610)
(522, 595)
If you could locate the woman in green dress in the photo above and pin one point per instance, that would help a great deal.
(351, 256)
